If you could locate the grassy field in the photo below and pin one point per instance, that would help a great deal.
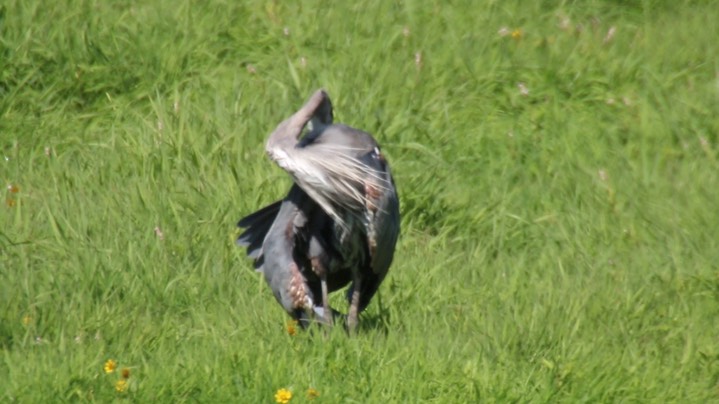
(557, 162)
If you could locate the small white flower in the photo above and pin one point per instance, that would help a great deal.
(565, 23)
(610, 34)
(523, 89)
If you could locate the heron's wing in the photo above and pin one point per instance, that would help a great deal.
(386, 224)
(383, 225)
(257, 225)
(382, 210)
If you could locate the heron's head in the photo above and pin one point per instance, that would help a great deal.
(327, 162)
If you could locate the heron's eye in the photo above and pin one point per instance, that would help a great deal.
(377, 155)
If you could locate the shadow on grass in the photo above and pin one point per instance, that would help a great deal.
(379, 322)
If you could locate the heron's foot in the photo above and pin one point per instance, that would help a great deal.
(321, 314)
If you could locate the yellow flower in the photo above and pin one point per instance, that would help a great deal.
(517, 34)
(283, 396)
(292, 327)
(121, 385)
(312, 393)
(26, 320)
(110, 366)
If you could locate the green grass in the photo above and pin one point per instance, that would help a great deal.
(558, 246)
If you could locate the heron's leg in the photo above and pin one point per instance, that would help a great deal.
(326, 300)
(321, 271)
(353, 315)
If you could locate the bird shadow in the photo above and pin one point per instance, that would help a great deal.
(375, 322)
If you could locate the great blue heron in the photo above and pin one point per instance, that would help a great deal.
(338, 224)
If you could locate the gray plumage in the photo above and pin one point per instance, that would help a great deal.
(338, 224)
